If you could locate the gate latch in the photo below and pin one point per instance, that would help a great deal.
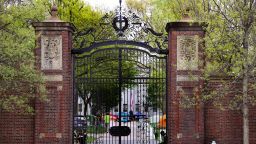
(120, 131)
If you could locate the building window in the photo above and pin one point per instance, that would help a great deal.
(154, 109)
(137, 107)
(116, 109)
(80, 107)
(125, 109)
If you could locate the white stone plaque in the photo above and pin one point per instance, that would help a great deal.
(187, 52)
(187, 78)
(51, 52)
(53, 78)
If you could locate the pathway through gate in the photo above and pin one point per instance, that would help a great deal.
(139, 133)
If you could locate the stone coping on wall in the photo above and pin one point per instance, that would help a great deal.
(53, 26)
(185, 26)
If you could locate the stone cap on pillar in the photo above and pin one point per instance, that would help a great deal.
(186, 23)
(53, 17)
(53, 23)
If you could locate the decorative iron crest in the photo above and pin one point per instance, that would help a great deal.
(124, 25)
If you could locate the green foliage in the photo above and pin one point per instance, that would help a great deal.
(156, 90)
(140, 6)
(96, 129)
(156, 12)
(20, 83)
(85, 19)
(102, 72)
(164, 11)
(90, 139)
(104, 96)
(79, 13)
(230, 48)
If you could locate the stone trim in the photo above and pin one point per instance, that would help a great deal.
(52, 78)
(53, 26)
(187, 78)
(185, 26)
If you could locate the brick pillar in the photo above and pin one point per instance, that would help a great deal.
(185, 125)
(53, 119)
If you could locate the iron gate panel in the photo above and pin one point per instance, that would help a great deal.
(120, 85)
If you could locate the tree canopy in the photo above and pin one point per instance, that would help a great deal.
(19, 81)
(101, 73)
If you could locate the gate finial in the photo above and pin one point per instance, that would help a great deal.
(54, 12)
(186, 17)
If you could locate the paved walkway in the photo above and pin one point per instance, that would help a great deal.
(140, 134)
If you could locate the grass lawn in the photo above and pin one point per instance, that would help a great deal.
(90, 139)
(96, 129)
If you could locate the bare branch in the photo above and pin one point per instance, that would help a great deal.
(223, 14)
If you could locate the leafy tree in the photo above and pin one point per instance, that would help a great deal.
(20, 83)
(232, 23)
(230, 48)
(157, 90)
(155, 12)
(101, 90)
(79, 13)
(87, 21)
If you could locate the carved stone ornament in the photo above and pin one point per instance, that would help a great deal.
(187, 52)
(51, 52)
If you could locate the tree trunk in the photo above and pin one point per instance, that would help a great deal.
(85, 108)
(245, 111)
(245, 108)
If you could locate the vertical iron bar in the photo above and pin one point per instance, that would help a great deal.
(83, 85)
(158, 81)
(74, 78)
(166, 97)
(120, 87)
(131, 91)
(153, 90)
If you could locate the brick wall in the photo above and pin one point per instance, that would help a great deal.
(226, 126)
(16, 128)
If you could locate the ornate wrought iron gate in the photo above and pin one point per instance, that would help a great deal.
(120, 83)
(121, 86)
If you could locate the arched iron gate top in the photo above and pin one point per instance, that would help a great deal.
(120, 42)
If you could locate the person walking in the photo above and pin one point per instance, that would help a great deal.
(107, 121)
(131, 115)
